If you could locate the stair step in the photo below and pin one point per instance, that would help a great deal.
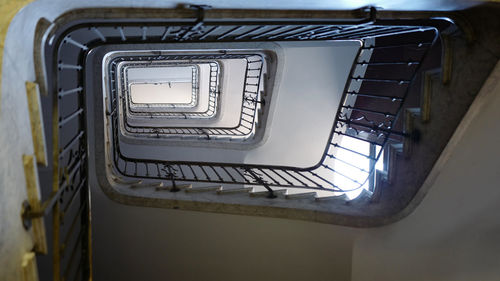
(264, 193)
(429, 77)
(202, 189)
(365, 55)
(364, 197)
(122, 181)
(411, 114)
(265, 84)
(334, 198)
(142, 184)
(170, 187)
(414, 111)
(222, 191)
(447, 58)
(311, 195)
(380, 179)
(393, 150)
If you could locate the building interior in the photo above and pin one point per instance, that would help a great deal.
(249, 140)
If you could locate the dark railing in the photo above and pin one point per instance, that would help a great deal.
(251, 100)
(357, 119)
(121, 85)
(66, 52)
(352, 121)
(349, 124)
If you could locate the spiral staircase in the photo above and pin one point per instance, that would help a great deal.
(400, 99)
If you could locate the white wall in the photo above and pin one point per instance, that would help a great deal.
(454, 234)
(138, 243)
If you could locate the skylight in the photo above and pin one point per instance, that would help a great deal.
(162, 85)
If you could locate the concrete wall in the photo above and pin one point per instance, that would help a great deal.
(454, 233)
(138, 243)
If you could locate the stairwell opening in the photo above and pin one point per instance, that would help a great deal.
(176, 87)
(373, 123)
(336, 183)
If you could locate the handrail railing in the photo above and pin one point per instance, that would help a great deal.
(162, 110)
(68, 46)
(251, 102)
(325, 175)
(274, 31)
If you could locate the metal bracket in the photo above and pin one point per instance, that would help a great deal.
(171, 176)
(258, 179)
(31, 213)
(199, 21)
(373, 13)
(25, 214)
(368, 12)
(201, 12)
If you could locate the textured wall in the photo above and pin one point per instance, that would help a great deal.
(136, 243)
(453, 233)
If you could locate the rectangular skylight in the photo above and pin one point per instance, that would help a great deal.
(161, 85)
(161, 92)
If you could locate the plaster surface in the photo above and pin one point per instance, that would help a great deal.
(15, 140)
(453, 233)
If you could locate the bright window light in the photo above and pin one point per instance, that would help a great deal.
(161, 85)
(162, 92)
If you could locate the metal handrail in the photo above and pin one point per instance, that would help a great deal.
(251, 102)
(70, 42)
(258, 31)
(278, 176)
(123, 87)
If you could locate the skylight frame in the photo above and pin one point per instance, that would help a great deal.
(242, 132)
(169, 111)
(141, 107)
